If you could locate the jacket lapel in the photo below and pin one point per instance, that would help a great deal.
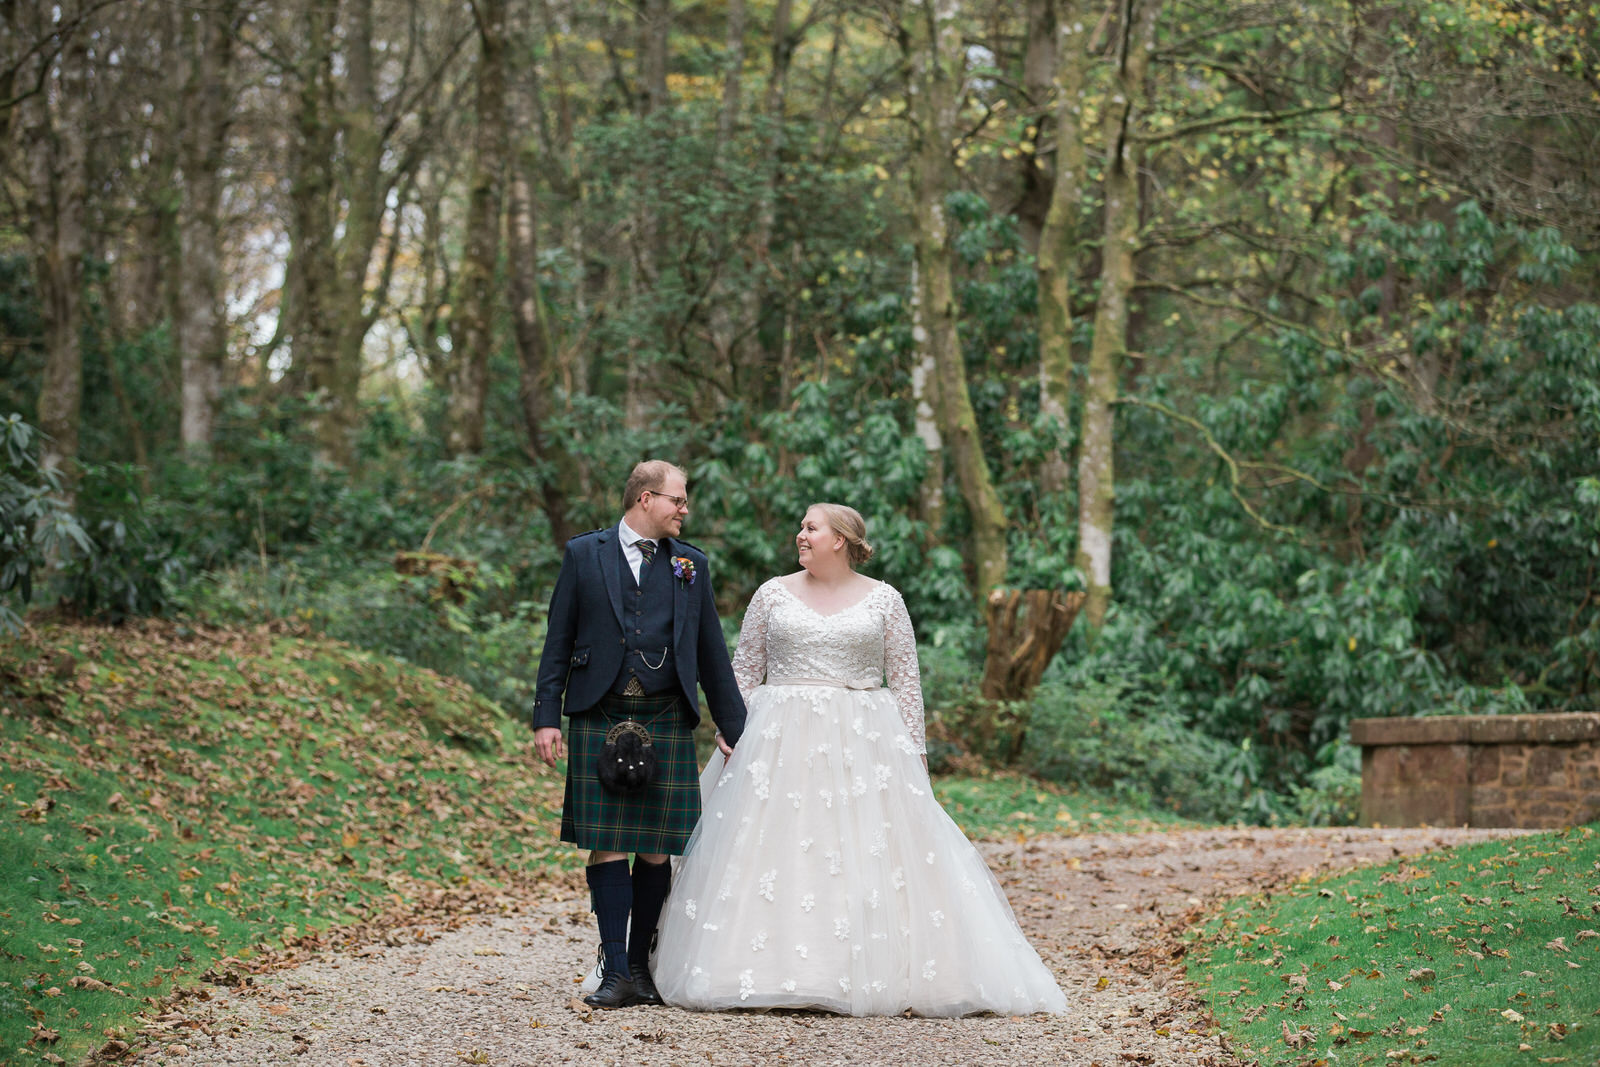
(611, 562)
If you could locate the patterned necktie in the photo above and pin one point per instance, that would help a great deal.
(647, 549)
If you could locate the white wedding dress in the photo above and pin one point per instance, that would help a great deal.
(824, 873)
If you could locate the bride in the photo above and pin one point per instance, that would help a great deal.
(824, 873)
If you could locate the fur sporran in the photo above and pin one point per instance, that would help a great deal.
(627, 760)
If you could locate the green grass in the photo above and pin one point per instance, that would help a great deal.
(1004, 805)
(185, 798)
(1482, 955)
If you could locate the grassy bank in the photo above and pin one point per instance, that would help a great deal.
(176, 797)
(1473, 957)
(181, 800)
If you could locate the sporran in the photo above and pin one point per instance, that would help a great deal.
(627, 760)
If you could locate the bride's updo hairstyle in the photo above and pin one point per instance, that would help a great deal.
(847, 522)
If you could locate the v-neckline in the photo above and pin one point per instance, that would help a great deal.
(833, 614)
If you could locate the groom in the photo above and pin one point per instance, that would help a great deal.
(632, 629)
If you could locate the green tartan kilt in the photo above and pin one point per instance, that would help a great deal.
(660, 819)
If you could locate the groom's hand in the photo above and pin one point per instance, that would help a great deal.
(547, 740)
(722, 743)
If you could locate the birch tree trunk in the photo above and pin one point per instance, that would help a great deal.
(1057, 260)
(925, 404)
(938, 66)
(472, 327)
(1135, 39)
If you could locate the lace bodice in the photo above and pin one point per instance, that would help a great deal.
(783, 638)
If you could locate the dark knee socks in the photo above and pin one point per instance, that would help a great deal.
(611, 891)
(650, 884)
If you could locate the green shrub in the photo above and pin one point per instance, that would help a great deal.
(1117, 737)
(133, 565)
(35, 523)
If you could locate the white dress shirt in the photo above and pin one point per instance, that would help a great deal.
(630, 551)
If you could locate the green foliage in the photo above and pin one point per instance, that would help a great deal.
(133, 565)
(21, 362)
(1472, 956)
(1122, 739)
(1448, 573)
(35, 523)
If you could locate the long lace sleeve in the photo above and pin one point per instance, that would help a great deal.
(900, 664)
(750, 656)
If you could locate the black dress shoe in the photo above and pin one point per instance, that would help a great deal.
(644, 987)
(616, 991)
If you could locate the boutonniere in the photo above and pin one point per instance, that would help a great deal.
(683, 569)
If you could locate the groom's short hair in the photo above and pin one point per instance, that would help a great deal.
(650, 476)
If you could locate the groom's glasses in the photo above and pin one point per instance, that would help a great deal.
(680, 502)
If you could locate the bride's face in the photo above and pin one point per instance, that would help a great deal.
(816, 542)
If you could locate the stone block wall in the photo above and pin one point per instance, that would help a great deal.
(1539, 771)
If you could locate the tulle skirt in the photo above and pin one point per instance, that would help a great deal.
(824, 874)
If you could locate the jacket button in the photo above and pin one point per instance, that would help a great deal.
(622, 641)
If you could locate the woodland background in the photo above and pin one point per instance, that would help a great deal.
(1268, 327)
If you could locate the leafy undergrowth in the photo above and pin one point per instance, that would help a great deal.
(1002, 805)
(179, 800)
(1481, 955)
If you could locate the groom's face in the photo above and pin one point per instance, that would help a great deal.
(662, 509)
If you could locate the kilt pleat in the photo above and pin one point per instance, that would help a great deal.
(660, 819)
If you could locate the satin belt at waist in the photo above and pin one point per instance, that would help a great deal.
(842, 683)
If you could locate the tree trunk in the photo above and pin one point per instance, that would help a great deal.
(472, 327)
(724, 326)
(56, 126)
(1096, 468)
(346, 164)
(1021, 643)
(199, 321)
(732, 75)
(925, 404)
(1056, 260)
(1039, 68)
(311, 274)
(555, 471)
(573, 367)
(938, 65)
(655, 27)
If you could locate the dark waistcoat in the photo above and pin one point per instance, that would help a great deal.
(647, 626)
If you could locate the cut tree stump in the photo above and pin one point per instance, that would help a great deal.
(1026, 629)
(453, 576)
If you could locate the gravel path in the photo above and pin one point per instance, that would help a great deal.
(1103, 910)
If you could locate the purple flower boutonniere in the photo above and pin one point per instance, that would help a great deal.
(683, 569)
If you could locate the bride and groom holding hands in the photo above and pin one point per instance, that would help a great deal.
(818, 870)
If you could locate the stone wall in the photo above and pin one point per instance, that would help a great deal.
(1480, 770)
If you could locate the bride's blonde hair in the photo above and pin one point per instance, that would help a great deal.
(847, 522)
